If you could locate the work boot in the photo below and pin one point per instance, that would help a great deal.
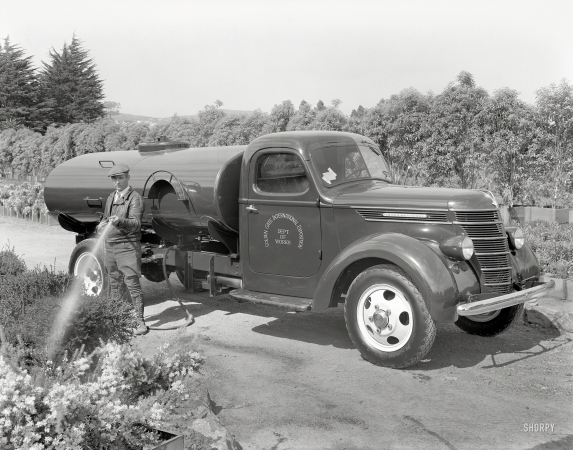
(141, 328)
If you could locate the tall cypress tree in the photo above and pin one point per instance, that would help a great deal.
(71, 86)
(18, 88)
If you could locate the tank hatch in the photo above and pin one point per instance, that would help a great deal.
(162, 144)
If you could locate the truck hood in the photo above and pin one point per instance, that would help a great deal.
(413, 197)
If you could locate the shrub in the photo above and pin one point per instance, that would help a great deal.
(552, 243)
(94, 320)
(31, 302)
(99, 319)
(10, 263)
(23, 288)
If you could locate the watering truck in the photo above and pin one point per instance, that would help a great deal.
(310, 220)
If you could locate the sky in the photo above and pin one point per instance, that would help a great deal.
(163, 57)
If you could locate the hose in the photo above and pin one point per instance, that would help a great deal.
(189, 317)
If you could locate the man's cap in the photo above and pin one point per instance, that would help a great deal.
(118, 169)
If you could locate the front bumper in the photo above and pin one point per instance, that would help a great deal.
(504, 301)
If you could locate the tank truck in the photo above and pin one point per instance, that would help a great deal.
(307, 221)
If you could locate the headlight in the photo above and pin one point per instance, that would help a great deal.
(467, 248)
(516, 237)
(459, 247)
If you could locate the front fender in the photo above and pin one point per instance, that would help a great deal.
(525, 264)
(424, 267)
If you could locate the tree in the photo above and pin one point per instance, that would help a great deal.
(240, 129)
(454, 147)
(179, 128)
(280, 117)
(209, 117)
(511, 138)
(329, 119)
(399, 127)
(18, 89)
(555, 109)
(25, 151)
(302, 118)
(71, 87)
(7, 139)
(111, 108)
(254, 125)
(227, 131)
(356, 121)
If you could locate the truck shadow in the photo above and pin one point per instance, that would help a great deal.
(455, 348)
(327, 328)
(452, 347)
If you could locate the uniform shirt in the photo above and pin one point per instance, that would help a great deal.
(129, 209)
(119, 195)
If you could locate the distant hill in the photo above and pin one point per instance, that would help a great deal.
(146, 119)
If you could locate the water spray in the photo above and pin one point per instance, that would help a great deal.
(70, 302)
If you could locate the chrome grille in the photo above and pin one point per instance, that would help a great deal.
(393, 215)
(494, 261)
(484, 229)
(478, 216)
(490, 244)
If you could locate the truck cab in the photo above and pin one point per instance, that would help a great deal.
(310, 220)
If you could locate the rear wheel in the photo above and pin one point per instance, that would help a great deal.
(86, 264)
(387, 319)
(492, 323)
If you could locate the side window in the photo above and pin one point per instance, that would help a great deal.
(281, 173)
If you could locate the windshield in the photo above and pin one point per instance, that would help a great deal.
(342, 163)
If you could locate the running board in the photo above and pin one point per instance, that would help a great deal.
(281, 301)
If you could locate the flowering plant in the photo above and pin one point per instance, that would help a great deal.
(25, 198)
(110, 398)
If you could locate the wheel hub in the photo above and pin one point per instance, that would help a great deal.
(381, 319)
(90, 274)
(384, 317)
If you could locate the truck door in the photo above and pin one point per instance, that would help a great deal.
(283, 215)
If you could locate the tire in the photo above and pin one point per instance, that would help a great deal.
(86, 264)
(399, 339)
(490, 324)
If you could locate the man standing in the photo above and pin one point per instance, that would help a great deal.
(124, 210)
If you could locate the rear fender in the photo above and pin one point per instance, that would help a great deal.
(425, 268)
(150, 190)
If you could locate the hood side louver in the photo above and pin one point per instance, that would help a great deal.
(396, 215)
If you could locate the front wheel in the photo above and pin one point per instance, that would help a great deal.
(86, 264)
(492, 323)
(387, 319)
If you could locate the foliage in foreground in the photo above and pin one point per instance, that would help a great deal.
(32, 300)
(108, 399)
(93, 390)
(552, 243)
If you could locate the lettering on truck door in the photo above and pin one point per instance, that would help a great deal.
(284, 219)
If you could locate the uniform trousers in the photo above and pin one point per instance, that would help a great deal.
(123, 265)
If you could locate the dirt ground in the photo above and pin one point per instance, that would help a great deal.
(281, 380)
